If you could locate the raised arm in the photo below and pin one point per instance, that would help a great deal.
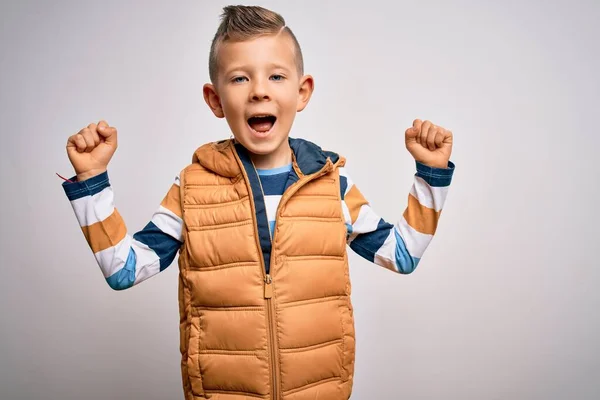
(400, 246)
(125, 260)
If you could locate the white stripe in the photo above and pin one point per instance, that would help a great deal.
(385, 263)
(350, 182)
(113, 259)
(271, 204)
(92, 209)
(386, 255)
(416, 242)
(168, 222)
(346, 212)
(367, 221)
(431, 197)
(147, 263)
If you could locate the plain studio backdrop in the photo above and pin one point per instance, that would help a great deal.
(505, 303)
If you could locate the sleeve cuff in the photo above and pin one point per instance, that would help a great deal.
(436, 176)
(78, 189)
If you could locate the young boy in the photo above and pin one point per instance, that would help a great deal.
(261, 223)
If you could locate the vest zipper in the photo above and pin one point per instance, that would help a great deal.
(268, 292)
(272, 329)
(268, 286)
(269, 306)
(269, 280)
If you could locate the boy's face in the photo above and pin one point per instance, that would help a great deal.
(259, 91)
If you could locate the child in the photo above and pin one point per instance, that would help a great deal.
(261, 223)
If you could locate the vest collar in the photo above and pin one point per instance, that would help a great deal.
(310, 158)
(218, 157)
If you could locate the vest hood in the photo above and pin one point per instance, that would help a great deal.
(219, 157)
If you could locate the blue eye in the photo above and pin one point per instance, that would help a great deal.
(277, 77)
(239, 79)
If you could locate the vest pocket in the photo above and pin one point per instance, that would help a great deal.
(193, 364)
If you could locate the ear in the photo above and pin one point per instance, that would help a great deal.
(212, 100)
(307, 85)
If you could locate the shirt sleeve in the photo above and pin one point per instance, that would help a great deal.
(398, 247)
(125, 260)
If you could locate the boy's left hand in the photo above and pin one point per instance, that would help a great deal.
(429, 144)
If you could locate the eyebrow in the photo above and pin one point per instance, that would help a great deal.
(269, 66)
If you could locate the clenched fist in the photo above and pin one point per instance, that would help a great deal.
(91, 149)
(429, 144)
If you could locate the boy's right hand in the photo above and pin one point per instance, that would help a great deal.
(91, 149)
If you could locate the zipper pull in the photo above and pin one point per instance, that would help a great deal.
(268, 287)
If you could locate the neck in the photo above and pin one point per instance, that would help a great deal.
(279, 158)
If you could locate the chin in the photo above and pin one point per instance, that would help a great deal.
(263, 144)
(260, 148)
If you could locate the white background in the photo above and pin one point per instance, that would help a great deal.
(505, 303)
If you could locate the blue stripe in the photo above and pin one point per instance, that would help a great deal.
(343, 186)
(274, 171)
(272, 225)
(274, 185)
(164, 245)
(125, 277)
(259, 205)
(367, 244)
(292, 178)
(436, 177)
(89, 187)
(349, 229)
(405, 263)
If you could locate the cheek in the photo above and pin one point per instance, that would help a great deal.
(232, 101)
(231, 109)
(289, 101)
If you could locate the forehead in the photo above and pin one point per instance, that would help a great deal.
(257, 52)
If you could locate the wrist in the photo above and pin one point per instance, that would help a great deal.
(89, 174)
(434, 164)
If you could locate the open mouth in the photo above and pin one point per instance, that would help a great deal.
(262, 123)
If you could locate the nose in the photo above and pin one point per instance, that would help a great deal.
(259, 91)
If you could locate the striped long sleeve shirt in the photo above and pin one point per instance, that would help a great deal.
(126, 260)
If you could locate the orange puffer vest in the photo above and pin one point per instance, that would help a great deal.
(262, 318)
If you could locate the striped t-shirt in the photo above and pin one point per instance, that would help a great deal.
(273, 184)
(126, 260)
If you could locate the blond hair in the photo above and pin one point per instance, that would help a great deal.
(239, 23)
